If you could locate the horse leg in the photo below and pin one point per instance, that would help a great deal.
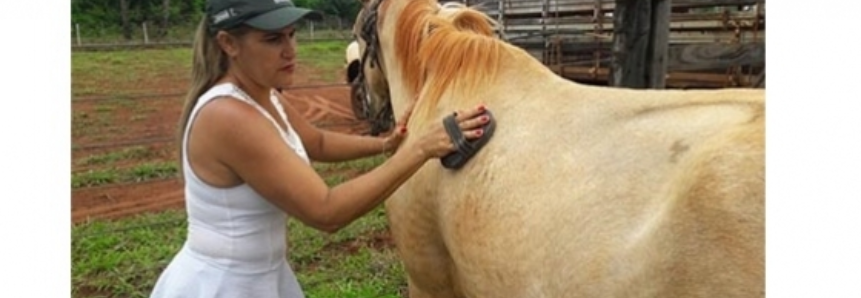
(421, 249)
(417, 292)
(428, 273)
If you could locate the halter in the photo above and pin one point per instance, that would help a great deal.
(381, 120)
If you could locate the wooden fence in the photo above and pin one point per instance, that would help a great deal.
(711, 43)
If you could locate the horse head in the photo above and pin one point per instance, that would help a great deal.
(369, 87)
(388, 53)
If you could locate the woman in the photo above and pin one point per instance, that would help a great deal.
(246, 155)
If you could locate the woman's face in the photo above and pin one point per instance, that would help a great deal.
(267, 58)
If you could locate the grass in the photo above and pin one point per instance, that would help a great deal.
(166, 71)
(121, 73)
(362, 165)
(185, 33)
(138, 173)
(118, 259)
(123, 258)
(327, 56)
(130, 153)
(347, 263)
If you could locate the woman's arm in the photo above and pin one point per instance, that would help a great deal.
(335, 146)
(250, 147)
(330, 146)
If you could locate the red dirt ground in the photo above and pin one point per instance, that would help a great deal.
(151, 122)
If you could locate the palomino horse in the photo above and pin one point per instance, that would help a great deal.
(357, 88)
(380, 121)
(583, 191)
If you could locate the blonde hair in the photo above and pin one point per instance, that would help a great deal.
(209, 64)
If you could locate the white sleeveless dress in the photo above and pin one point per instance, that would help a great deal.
(236, 245)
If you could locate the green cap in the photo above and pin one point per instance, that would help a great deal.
(268, 15)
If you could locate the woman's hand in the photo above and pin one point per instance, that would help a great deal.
(394, 140)
(437, 143)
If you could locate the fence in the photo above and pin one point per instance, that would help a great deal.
(145, 35)
(712, 43)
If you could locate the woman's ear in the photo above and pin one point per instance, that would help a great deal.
(228, 43)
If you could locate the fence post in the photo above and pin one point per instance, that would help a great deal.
(312, 29)
(146, 37)
(78, 32)
(660, 39)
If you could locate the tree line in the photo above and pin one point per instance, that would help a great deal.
(161, 15)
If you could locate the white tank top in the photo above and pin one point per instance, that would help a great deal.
(235, 228)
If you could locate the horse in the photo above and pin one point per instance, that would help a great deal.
(358, 95)
(583, 190)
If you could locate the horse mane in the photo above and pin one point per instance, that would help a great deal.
(446, 48)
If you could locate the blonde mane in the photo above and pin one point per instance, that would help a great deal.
(450, 48)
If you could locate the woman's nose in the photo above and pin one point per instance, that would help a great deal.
(289, 50)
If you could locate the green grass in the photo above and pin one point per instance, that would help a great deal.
(362, 165)
(131, 153)
(126, 72)
(123, 258)
(304, 34)
(120, 259)
(346, 264)
(327, 56)
(122, 73)
(185, 33)
(141, 172)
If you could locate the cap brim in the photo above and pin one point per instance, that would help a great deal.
(283, 17)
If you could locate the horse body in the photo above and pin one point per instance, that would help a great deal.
(583, 191)
(585, 197)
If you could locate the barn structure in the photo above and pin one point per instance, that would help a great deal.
(640, 43)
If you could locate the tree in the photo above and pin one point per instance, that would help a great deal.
(345, 10)
(165, 18)
(124, 14)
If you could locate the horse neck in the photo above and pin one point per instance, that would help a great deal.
(399, 96)
(520, 75)
(519, 78)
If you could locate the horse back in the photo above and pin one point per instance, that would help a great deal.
(602, 191)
